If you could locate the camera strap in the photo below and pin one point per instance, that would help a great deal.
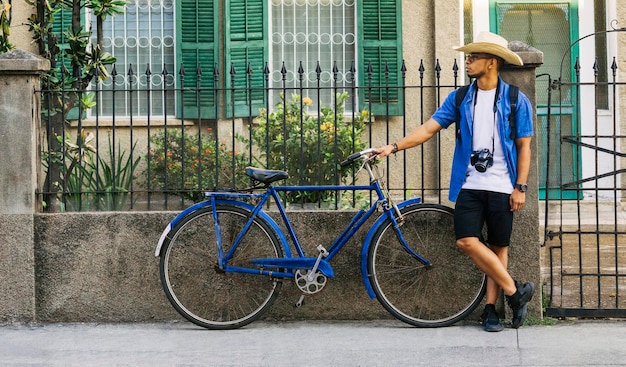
(495, 110)
(460, 96)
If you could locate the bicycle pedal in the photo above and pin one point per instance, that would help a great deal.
(322, 251)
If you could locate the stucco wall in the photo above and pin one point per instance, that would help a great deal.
(621, 108)
(20, 36)
(100, 267)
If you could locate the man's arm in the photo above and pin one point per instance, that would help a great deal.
(518, 198)
(416, 137)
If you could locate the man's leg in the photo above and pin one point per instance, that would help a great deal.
(518, 295)
(473, 209)
(499, 220)
(493, 289)
(490, 319)
(488, 262)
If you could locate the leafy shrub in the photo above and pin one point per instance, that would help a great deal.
(308, 147)
(88, 181)
(182, 165)
(5, 24)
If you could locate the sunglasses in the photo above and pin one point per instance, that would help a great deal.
(474, 57)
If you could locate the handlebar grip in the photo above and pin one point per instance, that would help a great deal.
(350, 159)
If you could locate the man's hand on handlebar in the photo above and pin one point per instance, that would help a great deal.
(384, 151)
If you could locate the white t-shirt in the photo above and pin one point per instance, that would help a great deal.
(487, 136)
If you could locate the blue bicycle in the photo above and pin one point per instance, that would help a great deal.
(223, 261)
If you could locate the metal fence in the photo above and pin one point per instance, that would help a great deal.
(153, 141)
(585, 219)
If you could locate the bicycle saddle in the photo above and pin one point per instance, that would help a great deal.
(266, 175)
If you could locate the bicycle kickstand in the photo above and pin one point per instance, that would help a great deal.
(300, 302)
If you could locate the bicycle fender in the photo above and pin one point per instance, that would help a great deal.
(202, 204)
(174, 221)
(368, 240)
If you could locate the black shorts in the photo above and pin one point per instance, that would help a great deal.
(475, 208)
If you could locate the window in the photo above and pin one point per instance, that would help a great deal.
(308, 32)
(203, 37)
(142, 40)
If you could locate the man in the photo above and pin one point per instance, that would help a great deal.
(489, 169)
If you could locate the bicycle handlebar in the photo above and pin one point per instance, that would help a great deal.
(355, 156)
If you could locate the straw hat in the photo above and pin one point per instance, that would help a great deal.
(491, 43)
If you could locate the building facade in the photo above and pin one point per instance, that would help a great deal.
(260, 39)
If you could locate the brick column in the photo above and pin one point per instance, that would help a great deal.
(19, 164)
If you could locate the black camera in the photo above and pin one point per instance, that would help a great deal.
(481, 160)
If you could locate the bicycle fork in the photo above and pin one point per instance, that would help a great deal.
(396, 218)
(389, 202)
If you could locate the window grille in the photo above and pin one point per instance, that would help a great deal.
(142, 40)
(305, 31)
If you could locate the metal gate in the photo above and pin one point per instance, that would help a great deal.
(584, 214)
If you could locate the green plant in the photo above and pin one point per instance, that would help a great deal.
(308, 147)
(88, 181)
(544, 321)
(186, 164)
(75, 62)
(5, 24)
(111, 180)
(68, 186)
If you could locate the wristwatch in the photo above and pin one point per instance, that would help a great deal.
(395, 148)
(521, 187)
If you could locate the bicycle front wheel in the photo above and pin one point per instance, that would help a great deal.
(434, 296)
(194, 284)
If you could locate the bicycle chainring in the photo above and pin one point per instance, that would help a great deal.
(308, 286)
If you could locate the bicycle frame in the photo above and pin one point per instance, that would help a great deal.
(286, 267)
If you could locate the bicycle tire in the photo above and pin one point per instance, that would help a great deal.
(193, 282)
(422, 296)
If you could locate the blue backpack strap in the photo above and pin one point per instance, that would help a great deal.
(458, 99)
(513, 93)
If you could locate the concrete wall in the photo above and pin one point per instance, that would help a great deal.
(20, 37)
(101, 267)
(19, 166)
(621, 112)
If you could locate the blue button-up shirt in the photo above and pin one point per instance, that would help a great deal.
(446, 115)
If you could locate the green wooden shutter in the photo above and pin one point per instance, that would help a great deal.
(61, 24)
(380, 43)
(197, 47)
(246, 45)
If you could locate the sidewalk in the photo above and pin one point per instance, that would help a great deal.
(318, 343)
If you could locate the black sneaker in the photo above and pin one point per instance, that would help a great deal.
(490, 319)
(519, 303)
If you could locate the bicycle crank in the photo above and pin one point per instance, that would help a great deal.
(310, 282)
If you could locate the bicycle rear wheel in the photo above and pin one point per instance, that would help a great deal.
(193, 282)
(422, 296)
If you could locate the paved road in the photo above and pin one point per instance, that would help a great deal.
(359, 343)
